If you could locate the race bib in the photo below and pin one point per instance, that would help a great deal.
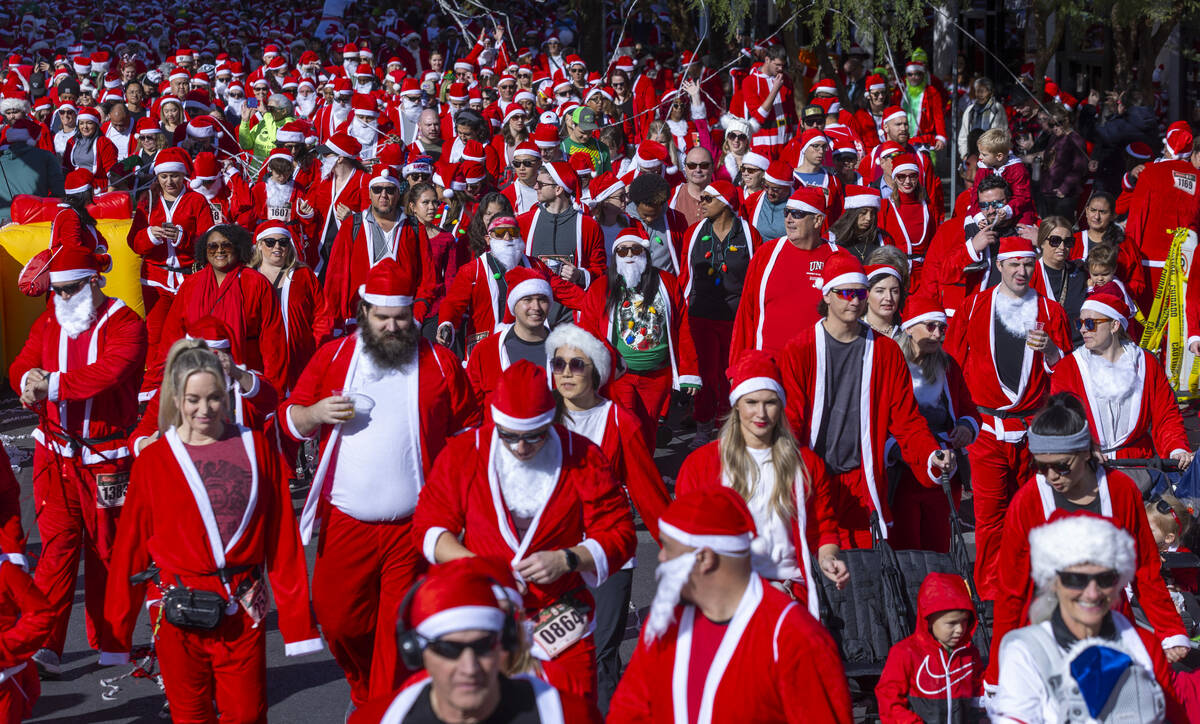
(1185, 182)
(278, 213)
(111, 489)
(254, 602)
(216, 213)
(558, 626)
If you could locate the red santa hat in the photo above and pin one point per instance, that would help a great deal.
(726, 193)
(1139, 150)
(213, 332)
(715, 518)
(78, 181)
(268, 229)
(473, 151)
(582, 163)
(811, 136)
(650, 155)
(290, 132)
(88, 113)
(522, 401)
(472, 172)
(410, 87)
(824, 86)
(1179, 139)
(1015, 247)
(1113, 306)
(343, 144)
(808, 198)
(876, 83)
(457, 93)
(602, 355)
(172, 160)
(861, 197)
(922, 309)
(905, 162)
(564, 175)
(202, 127)
(523, 281)
(545, 136)
(204, 168)
(914, 65)
(757, 160)
(753, 371)
(892, 112)
(511, 111)
(389, 285)
(631, 235)
(73, 263)
(842, 267)
(384, 175)
(778, 173)
(364, 105)
(604, 186)
(887, 149)
(455, 596)
(526, 148)
(145, 126)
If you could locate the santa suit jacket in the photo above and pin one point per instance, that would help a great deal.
(475, 292)
(168, 520)
(552, 706)
(589, 243)
(324, 196)
(305, 318)
(165, 264)
(94, 380)
(289, 215)
(445, 406)
(971, 341)
(774, 123)
(595, 317)
(887, 408)
(775, 663)
(931, 117)
(1120, 502)
(691, 237)
(68, 229)
(104, 158)
(586, 507)
(1165, 198)
(814, 526)
(911, 223)
(488, 359)
(25, 618)
(1158, 429)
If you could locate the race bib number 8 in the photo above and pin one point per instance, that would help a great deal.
(111, 489)
(558, 627)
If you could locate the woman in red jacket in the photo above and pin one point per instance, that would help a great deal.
(208, 506)
(784, 485)
(1068, 479)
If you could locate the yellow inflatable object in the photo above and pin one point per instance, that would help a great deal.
(18, 244)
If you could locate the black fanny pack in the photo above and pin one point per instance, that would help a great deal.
(191, 608)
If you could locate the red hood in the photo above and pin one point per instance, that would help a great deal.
(943, 592)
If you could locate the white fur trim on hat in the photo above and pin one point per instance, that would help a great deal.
(797, 205)
(1102, 308)
(1079, 540)
(896, 114)
(711, 190)
(384, 300)
(461, 618)
(914, 66)
(777, 181)
(213, 343)
(755, 384)
(170, 167)
(77, 189)
(15, 104)
(72, 275)
(569, 335)
(757, 160)
(632, 238)
(270, 231)
(906, 167)
(522, 424)
(847, 278)
(926, 317)
(289, 137)
(528, 288)
(1021, 254)
(725, 545)
(861, 201)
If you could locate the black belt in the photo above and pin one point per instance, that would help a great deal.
(179, 269)
(1002, 414)
(68, 439)
(224, 574)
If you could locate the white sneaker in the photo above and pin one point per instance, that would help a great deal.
(48, 662)
(703, 435)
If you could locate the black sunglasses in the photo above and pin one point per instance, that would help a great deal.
(271, 241)
(1059, 467)
(1057, 241)
(693, 165)
(526, 164)
(1090, 324)
(796, 214)
(70, 290)
(221, 246)
(629, 250)
(577, 365)
(452, 650)
(1078, 581)
(514, 438)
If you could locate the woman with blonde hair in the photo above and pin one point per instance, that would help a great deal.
(207, 512)
(784, 485)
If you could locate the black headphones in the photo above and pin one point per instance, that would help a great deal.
(409, 641)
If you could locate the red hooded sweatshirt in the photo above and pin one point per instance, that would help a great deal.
(921, 681)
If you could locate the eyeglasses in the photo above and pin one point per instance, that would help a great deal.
(1057, 241)
(796, 214)
(504, 234)
(849, 294)
(69, 290)
(1078, 581)
(577, 365)
(220, 246)
(992, 204)
(272, 241)
(629, 250)
(1090, 324)
(526, 164)
(452, 650)
(693, 165)
(1059, 467)
(514, 438)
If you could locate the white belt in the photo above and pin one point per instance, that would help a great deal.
(1153, 264)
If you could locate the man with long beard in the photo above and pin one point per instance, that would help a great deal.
(747, 652)
(383, 403)
(80, 370)
(363, 125)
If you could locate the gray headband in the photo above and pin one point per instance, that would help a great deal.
(1058, 444)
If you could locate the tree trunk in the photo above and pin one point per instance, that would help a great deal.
(683, 27)
(795, 69)
(590, 40)
(1045, 47)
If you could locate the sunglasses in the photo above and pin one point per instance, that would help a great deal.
(750, 169)
(272, 241)
(706, 199)
(906, 177)
(629, 250)
(221, 246)
(1090, 324)
(693, 165)
(1059, 467)
(1079, 581)
(618, 85)
(796, 214)
(452, 650)
(69, 290)
(388, 189)
(526, 164)
(514, 438)
(932, 327)
(848, 294)
(540, 184)
(1057, 241)
(419, 177)
(736, 136)
(504, 234)
(992, 204)
(577, 365)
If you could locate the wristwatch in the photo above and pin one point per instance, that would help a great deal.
(572, 559)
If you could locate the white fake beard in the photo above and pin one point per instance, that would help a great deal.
(1016, 315)
(366, 87)
(508, 253)
(340, 112)
(526, 485)
(631, 269)
(278, 195)
(327, 163)
(219, 88)
(363, 133)
(1114, 380)
(671, 577)
(236, 105)
(76, 314)
(305, 105)
(409, 108)
(211, 190)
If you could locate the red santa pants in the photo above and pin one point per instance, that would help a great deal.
(360, 577)
(712, 338)
(997, 470)
(68, 520)
(852, 507)
(642, 394)
(227, 664)
(921, 515)
(157, 302)
(574, 670)
(18, 694)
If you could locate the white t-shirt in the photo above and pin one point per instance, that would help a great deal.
(772, 552)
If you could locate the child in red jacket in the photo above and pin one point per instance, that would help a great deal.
(935, 675)
(995, 149)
